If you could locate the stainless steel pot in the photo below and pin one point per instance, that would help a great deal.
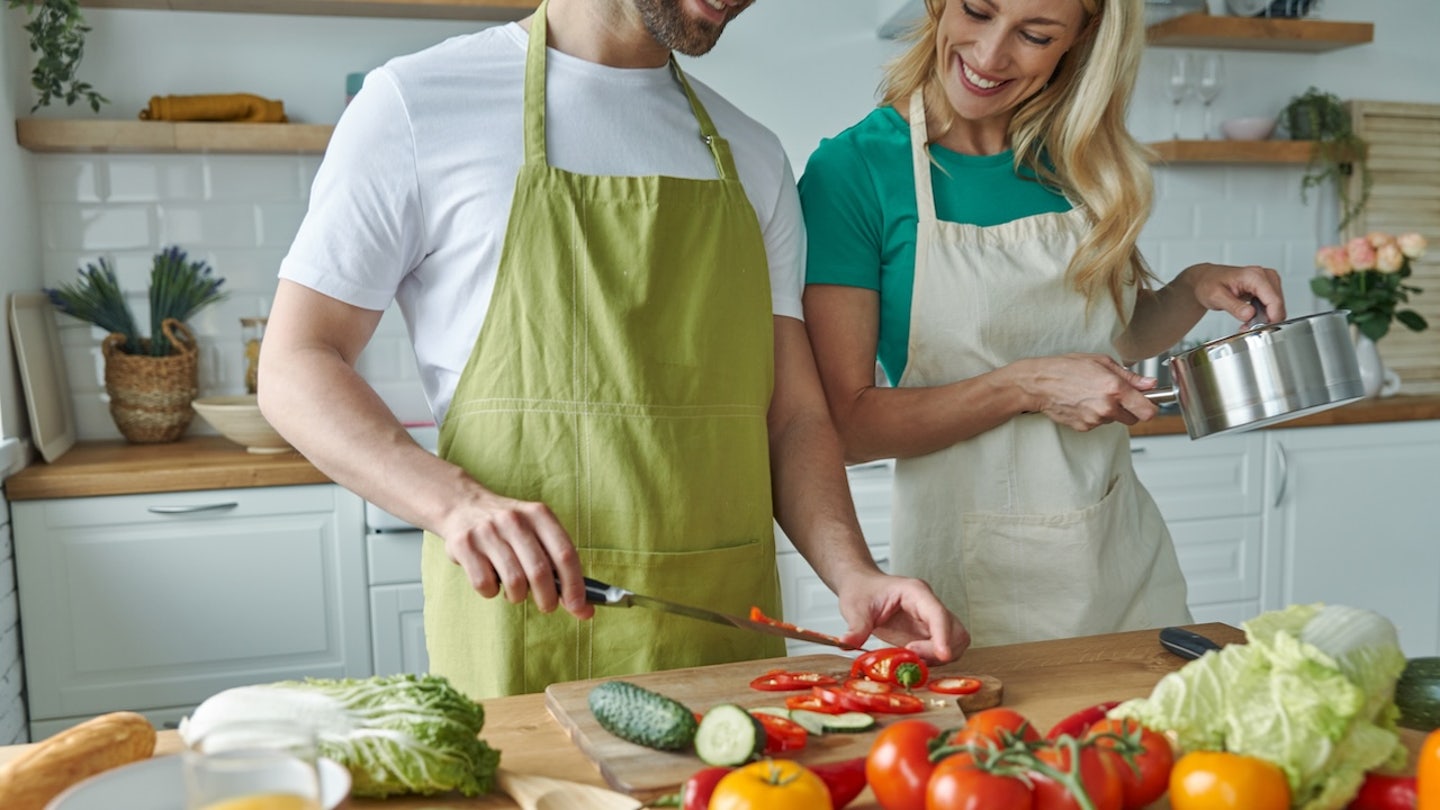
(1265, 374)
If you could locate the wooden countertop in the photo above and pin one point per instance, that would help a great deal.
(212, 462)
(1045, 681)
(193, 463)
(1366, 411)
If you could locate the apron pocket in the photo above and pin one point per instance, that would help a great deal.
(1030, 577)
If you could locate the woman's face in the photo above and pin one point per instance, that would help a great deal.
(994, 54)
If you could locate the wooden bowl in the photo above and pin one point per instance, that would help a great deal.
(238, 419)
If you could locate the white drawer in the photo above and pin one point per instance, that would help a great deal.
(1220, 476)
(1220, 558)
(393, 557)
(111, 511)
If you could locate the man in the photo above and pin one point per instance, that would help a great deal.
(642, 382)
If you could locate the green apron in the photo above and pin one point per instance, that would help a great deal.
(622, 377)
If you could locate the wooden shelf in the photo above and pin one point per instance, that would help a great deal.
(108, 135)
(1257, 33)
(416, 9)
(1233, 151)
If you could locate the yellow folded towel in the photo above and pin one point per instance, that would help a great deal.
(215, 107)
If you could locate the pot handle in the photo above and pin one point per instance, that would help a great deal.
(1163, 396)
(1261, 316)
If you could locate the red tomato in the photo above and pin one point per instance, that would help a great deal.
(957, 784)
(898, 766)
(956, 686)
(781, 734)
(1095, 776)
(998, 725)
(782, 681)
(1125, 741)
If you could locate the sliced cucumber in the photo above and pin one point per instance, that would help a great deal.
(821, 723)
(848, 723)
(728, 735)
(778, 711)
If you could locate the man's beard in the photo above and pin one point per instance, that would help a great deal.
(670, 27)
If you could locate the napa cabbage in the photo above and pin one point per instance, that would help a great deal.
(395, 734)
(1312, 691)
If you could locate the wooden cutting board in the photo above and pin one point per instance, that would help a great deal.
(646, 773)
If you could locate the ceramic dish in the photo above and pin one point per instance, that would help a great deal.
(157, 784)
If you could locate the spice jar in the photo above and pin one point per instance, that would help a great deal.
(252, 331)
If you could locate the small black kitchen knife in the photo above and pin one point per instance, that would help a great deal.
(1186, 643)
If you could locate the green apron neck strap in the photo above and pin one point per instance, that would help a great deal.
(719, 147)
(535, 103)
(534, 90)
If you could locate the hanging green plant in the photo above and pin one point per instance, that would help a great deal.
(1321, 117)
(57, 38)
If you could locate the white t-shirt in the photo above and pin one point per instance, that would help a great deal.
(411, 201)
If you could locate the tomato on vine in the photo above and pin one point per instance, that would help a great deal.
(1127, 742)
(898, 767)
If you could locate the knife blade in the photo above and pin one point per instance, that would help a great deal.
(607, 595)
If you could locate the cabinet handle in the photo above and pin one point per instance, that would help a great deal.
(188, 510)
(883, 561)
(1134, 449)
(1284, 472)
(870, 465)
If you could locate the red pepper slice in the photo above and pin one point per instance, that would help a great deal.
(781, 734)
(812, 703)
(845, 780)
(869, 687)
(783, 681)
(1078, 723)
(956, 686)
(846, 700)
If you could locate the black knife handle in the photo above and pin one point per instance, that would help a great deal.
(1186, 643)
(597, 592)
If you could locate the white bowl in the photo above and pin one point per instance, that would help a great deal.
(1257, 128)
(158, 784)
(238, 419)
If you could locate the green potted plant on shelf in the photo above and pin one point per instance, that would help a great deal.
(57, 38)
(151, 380)
(1319, 116)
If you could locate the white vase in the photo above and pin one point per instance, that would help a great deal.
(1377, 380)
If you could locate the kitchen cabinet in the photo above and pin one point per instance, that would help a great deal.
(397, 602)
(808, 601)
(1350, 520)
(415, 9)
(153, 602)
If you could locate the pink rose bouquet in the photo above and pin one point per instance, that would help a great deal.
(1366, 276)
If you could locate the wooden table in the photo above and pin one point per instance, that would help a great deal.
(1043, 680)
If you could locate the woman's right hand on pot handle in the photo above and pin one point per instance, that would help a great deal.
(1083, 391)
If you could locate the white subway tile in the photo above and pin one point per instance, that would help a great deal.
(279, 222)
(69, 178)
(1287, 219)
(168, 178)
(208, 225)
(1171, 219)
(1224, 219)
(250, 179)
(1190, 182)
(1278, 183)
(95, 227)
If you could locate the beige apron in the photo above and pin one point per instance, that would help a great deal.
(622, 377)
(1030, 530)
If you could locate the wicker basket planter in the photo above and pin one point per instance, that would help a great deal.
(150, 396)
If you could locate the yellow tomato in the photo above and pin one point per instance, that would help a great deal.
(1427, 773)
(771, 784)
(1216, 780)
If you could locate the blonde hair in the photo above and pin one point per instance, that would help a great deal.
(1076, 124)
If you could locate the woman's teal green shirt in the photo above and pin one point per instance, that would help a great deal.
(858, 193)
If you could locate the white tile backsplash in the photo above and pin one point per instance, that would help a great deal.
(238, 213)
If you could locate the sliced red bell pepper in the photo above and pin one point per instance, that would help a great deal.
(781, 734)
(894, 665)
(956, 685)
(845, 780)
(868, 686)
(812, 703)
(850, 701)
(783, 681)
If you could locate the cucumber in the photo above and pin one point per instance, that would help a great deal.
(1417, 693)
(778, 711)
(821, 723)
(729, 736)
(642, 717)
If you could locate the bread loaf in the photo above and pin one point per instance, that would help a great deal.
(38, 775)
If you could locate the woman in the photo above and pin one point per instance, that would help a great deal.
(977, 232)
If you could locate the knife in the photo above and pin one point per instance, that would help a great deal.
(1186, 643)
(607, 595)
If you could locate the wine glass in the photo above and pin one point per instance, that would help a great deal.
(1179, 85)
(1212, 75)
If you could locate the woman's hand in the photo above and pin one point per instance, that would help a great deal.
(1084, 391)
(1231, 289)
